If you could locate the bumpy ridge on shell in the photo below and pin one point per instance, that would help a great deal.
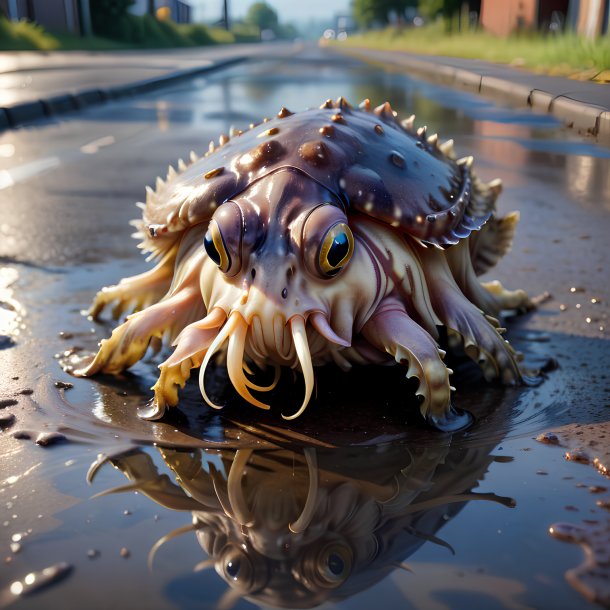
(182, 200)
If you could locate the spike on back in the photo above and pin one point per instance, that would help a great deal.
(385, 111)
(343, 104)
(408, 123)
(284, 113)
(466, 161)
(327, 104)
(447, 149)
(365, 105)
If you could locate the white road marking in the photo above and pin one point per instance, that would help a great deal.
(93, 147)
(9, 177)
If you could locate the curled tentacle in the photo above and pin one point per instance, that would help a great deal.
(266, 388)
(235, 358)
(235, 330)
(243, 515)
(299, 337)
(221, 337)
(302, 523)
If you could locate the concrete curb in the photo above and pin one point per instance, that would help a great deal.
(587, 118)
(29, 112)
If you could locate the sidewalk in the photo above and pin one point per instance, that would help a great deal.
(582, 105)
(34, 85)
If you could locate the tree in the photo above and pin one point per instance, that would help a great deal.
(444, 8)
(262, 16)
(107, 16)
(370, 12)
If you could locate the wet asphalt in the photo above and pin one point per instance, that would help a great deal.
(67, 193)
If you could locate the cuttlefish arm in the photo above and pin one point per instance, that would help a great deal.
(129, 341)
(390, 329)
(191, 347)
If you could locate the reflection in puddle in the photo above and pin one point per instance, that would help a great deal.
(11, 311)
(298, 528)
(588, 444)
(33, 582)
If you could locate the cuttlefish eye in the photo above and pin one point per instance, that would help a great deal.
(240, 571)
(334, 564)
(336, 249)
(215, 247)
(325, 566)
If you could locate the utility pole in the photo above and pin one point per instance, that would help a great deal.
(151, 8)
(225, 14)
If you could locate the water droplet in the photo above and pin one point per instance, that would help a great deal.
(550, 438)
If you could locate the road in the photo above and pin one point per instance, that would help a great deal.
(67, 192)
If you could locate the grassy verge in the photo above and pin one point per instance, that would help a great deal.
(564, 54)
(23, 36)
(131, 33)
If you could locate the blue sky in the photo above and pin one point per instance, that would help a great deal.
(288, 10)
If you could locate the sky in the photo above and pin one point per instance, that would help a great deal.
(288, 10)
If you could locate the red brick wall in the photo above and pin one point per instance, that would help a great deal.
(501, 17)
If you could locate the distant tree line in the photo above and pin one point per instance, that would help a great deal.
(383, 12)
(112, 19)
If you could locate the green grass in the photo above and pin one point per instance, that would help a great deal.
(563, 54)
(131, 33)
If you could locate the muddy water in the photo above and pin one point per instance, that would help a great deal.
(354, 502)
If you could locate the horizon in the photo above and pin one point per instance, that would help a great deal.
(288, 12)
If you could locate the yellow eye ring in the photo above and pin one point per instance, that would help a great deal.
(336, 249)
(215, 247)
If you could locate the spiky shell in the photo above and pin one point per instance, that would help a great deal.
(374, 163)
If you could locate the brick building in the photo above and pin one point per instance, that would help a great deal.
(586, 17)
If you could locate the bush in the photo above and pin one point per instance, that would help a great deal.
(245, 32)
(24, 36)
(174, 34)
(198, 34)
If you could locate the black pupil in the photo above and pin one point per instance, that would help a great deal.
(210, 248)
(335, 564)
(338, 250)
(233, 568)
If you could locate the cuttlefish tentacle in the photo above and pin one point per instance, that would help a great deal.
(129, 341)
(392, 330)
(480, 336)
(136, 292)
(191, 346)
(299, 338)
(235, 330)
